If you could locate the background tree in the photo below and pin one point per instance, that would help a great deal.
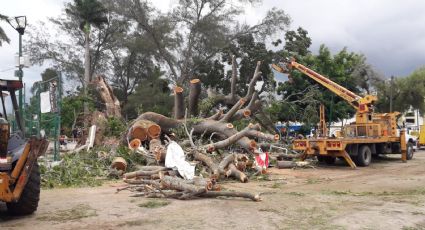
(195, 31)
(152, 94)
(347, 69)
(87, 13)
(408, 93)
(3, 36)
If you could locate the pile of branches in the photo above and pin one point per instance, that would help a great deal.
(150, 133)
(161, 182)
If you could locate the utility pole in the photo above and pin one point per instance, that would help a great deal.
(391, 94)
(19, 23)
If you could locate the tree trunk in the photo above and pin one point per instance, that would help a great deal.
(178, 103)
(213, 194)
(195, 91)
(179, 184)
(86, 76)
(208, 162)
(113, 107)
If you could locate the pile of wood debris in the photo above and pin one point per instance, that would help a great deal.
(151, 134)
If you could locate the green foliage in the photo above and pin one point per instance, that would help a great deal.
(78, 170)
(87, 12)
(114, 127)
(86, 168)
(342, 68)
(3, 36)
(408, 92)
(152, 95)
(72, 108)
(189, 37)
(297, 42)
(130, 157)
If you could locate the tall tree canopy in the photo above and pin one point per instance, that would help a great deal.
(194, 32)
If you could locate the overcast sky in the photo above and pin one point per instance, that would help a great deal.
(390, 33)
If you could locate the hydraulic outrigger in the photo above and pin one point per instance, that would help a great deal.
(372, 133)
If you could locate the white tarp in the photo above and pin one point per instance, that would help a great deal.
(175, 158)
(45, 102)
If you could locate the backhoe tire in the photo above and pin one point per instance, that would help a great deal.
(409, 151)
(28, 202)
(364, 156)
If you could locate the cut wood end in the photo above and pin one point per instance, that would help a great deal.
(119, 163)
(229, 125)
(195, 81)
(241, 166)
(210, 148)
(178, 89)
(139, 133)
(242, 101)
(244, 178)
(247, 113)
(216, 187)
(154, 131)
(253, 144)
(209, 186)
(257, 198)
(135, 143)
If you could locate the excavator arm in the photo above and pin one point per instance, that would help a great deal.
(361, 104)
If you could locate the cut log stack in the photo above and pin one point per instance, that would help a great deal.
(144, 130)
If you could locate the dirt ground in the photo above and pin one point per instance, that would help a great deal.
(386, 195)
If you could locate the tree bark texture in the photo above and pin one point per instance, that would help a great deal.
(178, 103)
(113, 107)
(195, 91)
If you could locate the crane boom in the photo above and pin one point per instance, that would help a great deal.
(361, 104)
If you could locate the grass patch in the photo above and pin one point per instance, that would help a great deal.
(276, 185)
(154, 204)
(413, 192)
(134, 222)
(261, 177)
(269, 210)
(77, 212)
(313, 181)
(296, 193)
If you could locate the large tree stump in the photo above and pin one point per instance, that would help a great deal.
(178, 103)
(113, 107)
(195, 91)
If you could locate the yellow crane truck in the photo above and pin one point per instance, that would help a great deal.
(19, 172)
(372, 133)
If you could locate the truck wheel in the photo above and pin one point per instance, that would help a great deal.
(364, 156)
(28, 202)
(409, 151)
